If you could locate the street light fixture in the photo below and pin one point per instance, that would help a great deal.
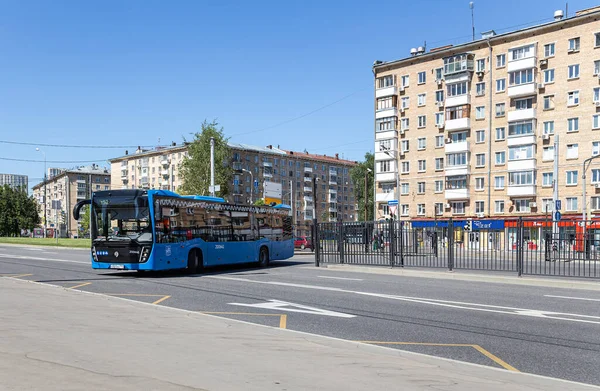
(45, 190)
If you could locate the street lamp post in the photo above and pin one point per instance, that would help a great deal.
(45, 190)
(366, 185)
(252, 184)
(586, 165)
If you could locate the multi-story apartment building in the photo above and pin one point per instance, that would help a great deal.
(15, 181)
(58, 195)
(471, 130)
(253, 165)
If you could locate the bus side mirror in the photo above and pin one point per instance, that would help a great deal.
(78, 206)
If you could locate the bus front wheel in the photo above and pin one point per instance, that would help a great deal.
(263, 257)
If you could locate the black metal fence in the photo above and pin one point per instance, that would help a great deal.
(532, 247)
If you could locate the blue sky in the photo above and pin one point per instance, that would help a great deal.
(130, 72)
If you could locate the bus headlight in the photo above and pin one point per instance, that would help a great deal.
(94, 254)
(145, 254)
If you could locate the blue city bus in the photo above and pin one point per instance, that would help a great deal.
(162, 230)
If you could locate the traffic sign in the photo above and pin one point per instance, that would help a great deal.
(558, 204)
(557, 216)
(393, 202)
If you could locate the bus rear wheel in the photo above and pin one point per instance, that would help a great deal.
(263, 257)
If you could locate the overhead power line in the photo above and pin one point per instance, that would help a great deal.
(75, 146)
(52, 161)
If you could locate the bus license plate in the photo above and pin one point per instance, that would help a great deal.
(120, 267)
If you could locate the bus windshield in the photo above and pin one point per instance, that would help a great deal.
(121, 218)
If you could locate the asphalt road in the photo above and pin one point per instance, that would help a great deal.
(547, 331)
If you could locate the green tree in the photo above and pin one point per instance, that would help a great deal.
(195, 168)
(259, 202)
(358, 174)
(17, 211)
(84, 219)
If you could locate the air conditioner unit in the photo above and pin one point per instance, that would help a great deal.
(402, 109)
(543, 63)
(541, 86)
(447, 206)
(598, 75)
(449, 140)
(440, 126)
(546, 137)
(597, 185)
(480, 215)
(439, 103)
(402, 131)
(597, 103)
(439, 81)
(401, 88)
(480, 73)
(533, 205)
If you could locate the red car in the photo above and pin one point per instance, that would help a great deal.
(302, 242)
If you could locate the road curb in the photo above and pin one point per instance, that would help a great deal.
(460, 276)
(44, 246)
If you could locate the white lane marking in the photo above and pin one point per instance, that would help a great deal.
(441, 303)
(572, 298)
(41, 259)
(279, 305)
(341, 278)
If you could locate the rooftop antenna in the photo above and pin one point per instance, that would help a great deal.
(471, 5)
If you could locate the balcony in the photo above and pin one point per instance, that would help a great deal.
(462, 146)
(267, 174)
(332, 191)
(124, 174)
(386, 91)
(458, 100)
(332, 210)
(385, 177)
(267, 164)
(384, 197)
(523, 63)
(522, 90)
(457, 194)
(385, 135)
(518, 191)
(307, 179)
(457, 124)
(519, 115)
(308, 169)
(308, 189)
(165, 172)
(164, 161)
(308, 198)
(391, 112)
(387, 155)
(520, 140)
(520, 165)
(456, 170)
(125, 179)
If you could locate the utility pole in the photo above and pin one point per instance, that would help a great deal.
(584, 216)
(45, 190)
(366, 186)
(555, 180)
(212, 166)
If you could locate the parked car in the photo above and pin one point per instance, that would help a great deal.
(302, 242)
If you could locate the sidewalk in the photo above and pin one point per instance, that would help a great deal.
(52, 338)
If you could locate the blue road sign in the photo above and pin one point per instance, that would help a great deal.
(557, 216)
(393, 202)
(558, 204)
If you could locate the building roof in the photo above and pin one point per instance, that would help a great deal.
(87, 170)
(247, 147)
(321, 158)
(448, 49)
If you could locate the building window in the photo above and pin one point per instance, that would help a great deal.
(421, 187)
(421, 143)
(439, 208)
(386, 103)
(500, 157)
(500, 85)
(520, 128)
(572, 151)
(439, 186)
(573, 124)
(480, 112)
(405, 167)
(479, 183)
(422, 77)
(404, 146)
(456, 159)
(548, 127)
(439, 74)
(422, 121)
(385, 145)
(596, 67)
(405, 102)
(499, 206)
(500, 134)
(547, 205)
(548, 154)
(573, 98)
(480, 160)
(405, 81)
(404, 210)
(595, 121)
(520, 178)
(523, 104)
(549, 50)
(458, 63)
(522, 52)
(549, 102)
(382, 125)
(479, 206)
(572, 178)
(385, 166)
(480, 89)
(571, 204)
(458, 208)
(480, 65)
(500, 60)
(522, 206)
(421, 209)
(439, 96)
(499, 182)
(386, 81)
(595, 203)
(480, 136)
(595, 148)
(421, 99)
(547, 179)
(456, 89)
(439, 163)
(520, 77)
(596, 175)
(404, 188)
(456, 182)
(521, 152)
(549, 76)
(457, 112)
(573, 71)
(596, 94)
(439, 119)
(500, 109)
(422, 165)
(439, 141)
(387, 188)
(404, 124)
(574, 44)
